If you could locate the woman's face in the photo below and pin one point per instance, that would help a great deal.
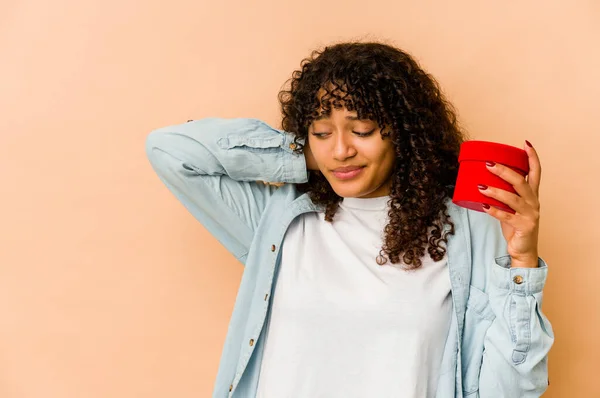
(352, 155)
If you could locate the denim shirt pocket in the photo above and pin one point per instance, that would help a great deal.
(478, 318)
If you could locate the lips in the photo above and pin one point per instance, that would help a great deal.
(348, 172)
(346, 169)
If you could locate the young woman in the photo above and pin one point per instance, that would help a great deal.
(362, 278)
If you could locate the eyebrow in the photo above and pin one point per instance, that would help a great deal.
(326, 117)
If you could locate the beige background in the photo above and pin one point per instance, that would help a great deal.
(108, 288)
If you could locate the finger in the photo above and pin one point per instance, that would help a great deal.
(515, 179)
(501, 215)
(525, 224)
(512, 200)
(277, 184)
(535, 168)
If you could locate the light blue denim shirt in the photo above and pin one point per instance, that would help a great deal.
(498, 338)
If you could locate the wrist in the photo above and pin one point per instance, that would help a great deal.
(524, 262)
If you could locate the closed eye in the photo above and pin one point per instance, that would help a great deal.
(368, 133)
(357, 133)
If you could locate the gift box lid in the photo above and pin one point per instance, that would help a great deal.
(496, 152)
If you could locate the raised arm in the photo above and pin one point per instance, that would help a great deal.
(212, 165)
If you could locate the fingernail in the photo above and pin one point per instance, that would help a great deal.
(485, 206)
(482, 187)
(490, 164)
(528, 144)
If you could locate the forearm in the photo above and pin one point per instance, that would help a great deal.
(520, 337)
(242, 149)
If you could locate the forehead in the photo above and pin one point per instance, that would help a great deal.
(341, 114)
(336, 95)
(336, 98)
(351, 115)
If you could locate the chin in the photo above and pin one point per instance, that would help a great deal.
(347, 191)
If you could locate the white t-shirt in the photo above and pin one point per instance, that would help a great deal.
(344, 326)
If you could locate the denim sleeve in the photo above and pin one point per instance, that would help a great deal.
(212, 165)
(519, 338)
(516, 346)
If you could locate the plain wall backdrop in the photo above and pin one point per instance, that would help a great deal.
(109, 288)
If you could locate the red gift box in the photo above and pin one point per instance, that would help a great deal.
(472, 171)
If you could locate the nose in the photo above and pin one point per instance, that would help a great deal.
(343, 148)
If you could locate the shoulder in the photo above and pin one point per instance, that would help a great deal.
(479, 237)
(488, 247)
(479, 229)
(485, 233)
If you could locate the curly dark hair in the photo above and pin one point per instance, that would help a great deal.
(386, 85)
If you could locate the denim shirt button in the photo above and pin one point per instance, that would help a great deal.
(251, 342)
(518, 279)
(293, 146)
(272, 248)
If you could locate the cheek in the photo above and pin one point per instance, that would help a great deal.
(380, 155)
(386, 160)
(319, 152)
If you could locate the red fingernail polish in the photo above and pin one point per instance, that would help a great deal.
(528, 144)
(485, 206)
(482, 187)
(490, 164)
